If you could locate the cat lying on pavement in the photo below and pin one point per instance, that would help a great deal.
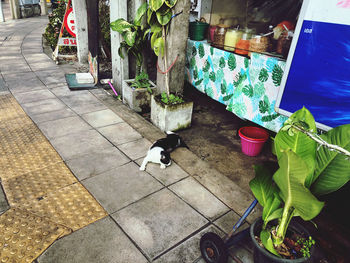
(160, 150)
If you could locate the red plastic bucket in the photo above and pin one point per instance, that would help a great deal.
(252, 140)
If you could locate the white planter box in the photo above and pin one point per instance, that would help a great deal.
(171, 117)
(137, 99)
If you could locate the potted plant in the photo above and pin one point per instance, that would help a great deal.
(137, 94)
(168, 110)
(310, 165)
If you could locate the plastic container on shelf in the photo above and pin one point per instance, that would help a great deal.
(231, 38)
(211, 33)
(252, 140)
(198, 30)
(219, 35)
(242, 46)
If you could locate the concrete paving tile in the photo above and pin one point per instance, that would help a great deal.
(227, 221)
(170, 175)
(44, 65)
(50, 76)
(121, 186)
(76, 144)
(242, 254)
(101, 118)
(97, 162)
(62, 127)
(38, 107)
(199, 198)
(63, 90)
(159, 221)
(53, 115)
(102, 241)
(3, 203)
(88, 107)
(83, 102)
(36, 95)
(188, 251)
(16, 69)
(120, 133)
(24, 76)
(135, 149)
(25, 85)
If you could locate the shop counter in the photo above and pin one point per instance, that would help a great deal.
(248, 87)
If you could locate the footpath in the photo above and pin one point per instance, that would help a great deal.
(71, 189)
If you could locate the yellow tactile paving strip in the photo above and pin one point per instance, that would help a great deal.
(24, 236)
(47, 201)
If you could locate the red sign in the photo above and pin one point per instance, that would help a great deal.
(69, 22)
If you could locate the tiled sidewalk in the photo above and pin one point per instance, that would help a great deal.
(154, 216)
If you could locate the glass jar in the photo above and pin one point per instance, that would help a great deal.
(219, 35)
(211, 33)
(283, 44)
(259, 44)
(231, 38)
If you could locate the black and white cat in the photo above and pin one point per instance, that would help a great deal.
(160, 150)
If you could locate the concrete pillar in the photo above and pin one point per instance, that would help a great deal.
(2, 17)
(14, 5)
(80, 14)
(176, 47)
(43, 6)
(120, 68)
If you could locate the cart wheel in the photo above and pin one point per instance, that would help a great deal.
(213, 249)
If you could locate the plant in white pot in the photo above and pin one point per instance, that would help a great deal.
(136, 92)
(310, 165)
(169, 111)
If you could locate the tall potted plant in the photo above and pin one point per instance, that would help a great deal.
(310, 165)
(136, 92)
(168, 111)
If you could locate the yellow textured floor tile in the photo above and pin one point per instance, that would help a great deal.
(72, 206)
(36, 184)
(24, 236)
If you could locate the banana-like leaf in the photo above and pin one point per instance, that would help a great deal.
(332, 169)
(129, 37)
(266, 239)
(120, 25)
(159, 46)
(141, 11)
(170, 3)
(163, 19)
(262, 185)
(156, 4)
(272, 204)
(274, 215)
(299, 142)
(290, 178)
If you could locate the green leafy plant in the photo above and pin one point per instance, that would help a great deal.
(310, 165)
(306, 245)
(171, 99)
(141, 81)
(134, 36)
(159, 15)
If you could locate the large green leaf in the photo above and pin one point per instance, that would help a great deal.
(150, 14)
(159, 46)
(140, 13)
(290, 178)
(299, 142)
(154, 37)
(163, 18)
(332, 169)
(120, 25)
(266, 239)
(262, 185)
(273, 203)
(156, 4)
(129, 37)
(170, 3)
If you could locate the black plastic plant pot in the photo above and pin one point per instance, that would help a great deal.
(261, 255)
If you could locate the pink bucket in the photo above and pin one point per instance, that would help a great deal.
(252, 140)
